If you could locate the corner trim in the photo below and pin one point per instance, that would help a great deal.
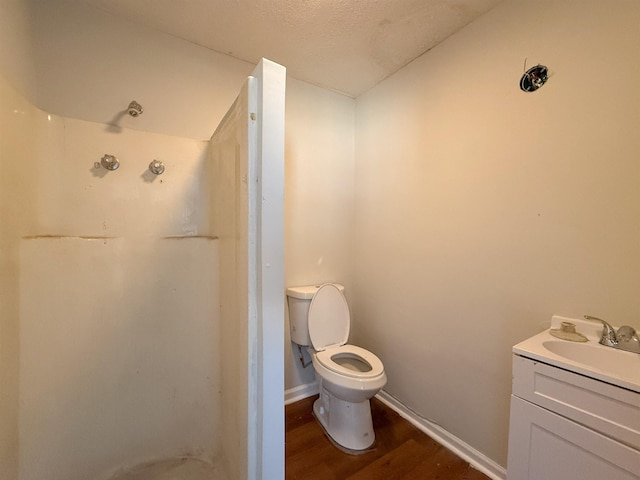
(465, 451)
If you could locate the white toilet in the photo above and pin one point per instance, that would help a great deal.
(348, 376)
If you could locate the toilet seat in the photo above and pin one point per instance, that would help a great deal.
(328, 357)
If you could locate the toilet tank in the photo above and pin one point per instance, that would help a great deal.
(299, 300)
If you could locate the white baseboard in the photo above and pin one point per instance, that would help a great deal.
(301, 391)
(476, 459)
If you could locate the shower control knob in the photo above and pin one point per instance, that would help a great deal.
(109, 162)
(156, 167)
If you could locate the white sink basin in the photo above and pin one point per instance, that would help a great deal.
(606, 359)
(590, 359)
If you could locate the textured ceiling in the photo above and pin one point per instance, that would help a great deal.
(343, 45)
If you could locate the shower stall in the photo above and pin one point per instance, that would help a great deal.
(142, 312)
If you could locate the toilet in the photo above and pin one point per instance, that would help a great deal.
(347, 376)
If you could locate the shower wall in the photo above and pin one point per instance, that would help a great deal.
(109, 280)
(229, 159)
(118, 301)
(17, 122)
(16, 207)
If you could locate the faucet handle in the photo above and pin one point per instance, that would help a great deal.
(608, 337)
(626, 334)
(628, 339)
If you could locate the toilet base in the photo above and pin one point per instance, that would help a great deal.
(347, 424)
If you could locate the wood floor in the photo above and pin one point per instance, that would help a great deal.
(401, 451)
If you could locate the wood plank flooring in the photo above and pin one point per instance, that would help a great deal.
(401, 451)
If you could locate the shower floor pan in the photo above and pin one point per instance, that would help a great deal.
(173, 469)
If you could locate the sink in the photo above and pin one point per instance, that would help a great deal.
(603, 358)
(590, 359)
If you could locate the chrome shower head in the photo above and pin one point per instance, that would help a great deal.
(135, 109)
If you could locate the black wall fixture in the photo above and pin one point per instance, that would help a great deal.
(534, 78)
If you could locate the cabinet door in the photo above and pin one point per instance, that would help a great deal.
(546, 446)
(610, 410)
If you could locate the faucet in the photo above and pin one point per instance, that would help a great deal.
(625, 339)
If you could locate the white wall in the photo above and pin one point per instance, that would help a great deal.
(16, 208)
(481, 210)
(319, 172)
(16, 47)
(17, 120)
(90, 65)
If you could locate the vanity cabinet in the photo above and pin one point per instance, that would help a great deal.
(566, 426)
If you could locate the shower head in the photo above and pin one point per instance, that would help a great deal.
(135, 109)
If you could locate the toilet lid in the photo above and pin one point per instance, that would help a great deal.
(329, 318)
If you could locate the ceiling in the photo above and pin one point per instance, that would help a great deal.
(342, 45)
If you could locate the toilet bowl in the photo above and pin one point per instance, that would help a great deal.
(351, 373)
(348, 376)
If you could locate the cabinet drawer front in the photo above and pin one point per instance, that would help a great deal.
(605, 408)
(546, 446)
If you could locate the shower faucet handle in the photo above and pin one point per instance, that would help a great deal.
(156, 167)
(110, 162)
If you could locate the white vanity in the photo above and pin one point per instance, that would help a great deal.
(575, 409)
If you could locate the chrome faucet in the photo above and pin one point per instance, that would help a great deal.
(625, 339)
(608, 337)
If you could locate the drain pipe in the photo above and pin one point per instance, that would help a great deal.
(304, 363)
